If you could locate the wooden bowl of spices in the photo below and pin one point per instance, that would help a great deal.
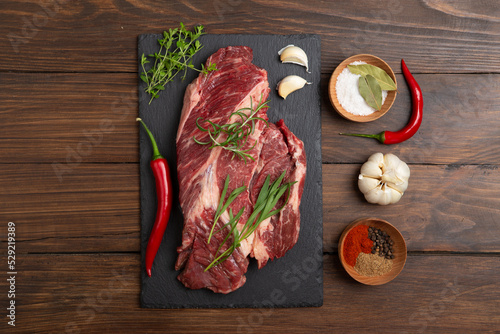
(372, 251)
(343, 90)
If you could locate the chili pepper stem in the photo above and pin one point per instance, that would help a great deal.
(156, 152)
(379, 136)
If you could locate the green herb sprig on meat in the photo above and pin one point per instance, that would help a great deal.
(269, 196)
(235, 135)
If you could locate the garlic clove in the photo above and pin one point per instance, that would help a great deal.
(372, 169)
(295, 55)
(399, 183)
(377, 158)
(290, 84)
(383, 196)
(377, 196)
(395, 196)
(400, 168)
(367, 184)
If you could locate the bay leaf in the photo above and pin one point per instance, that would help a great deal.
(371, 91)
(384, 80)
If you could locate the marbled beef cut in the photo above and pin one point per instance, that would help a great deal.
(202, 173)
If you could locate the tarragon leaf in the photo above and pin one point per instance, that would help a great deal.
(383, 79)
(371, 91)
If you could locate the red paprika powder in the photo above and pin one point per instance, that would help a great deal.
(355, 242)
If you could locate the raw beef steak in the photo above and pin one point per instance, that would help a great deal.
(202, 172)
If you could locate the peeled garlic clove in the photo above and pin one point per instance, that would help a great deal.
(295, 55)
(290, 84)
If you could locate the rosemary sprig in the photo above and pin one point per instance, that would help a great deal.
(268, 198)
(236, 134)
(177, 47)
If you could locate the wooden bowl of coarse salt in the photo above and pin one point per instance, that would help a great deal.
(378, 270)
(351, 99)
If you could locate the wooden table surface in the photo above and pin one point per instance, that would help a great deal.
(69, 173)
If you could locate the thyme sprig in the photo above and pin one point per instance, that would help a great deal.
(237, 133)
(269, 196)
(177, 47)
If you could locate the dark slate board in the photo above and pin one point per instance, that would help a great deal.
(296, 280)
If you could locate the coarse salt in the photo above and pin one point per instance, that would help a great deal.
(348, 93)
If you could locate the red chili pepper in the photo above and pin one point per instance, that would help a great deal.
(164, 196)
(389, 137)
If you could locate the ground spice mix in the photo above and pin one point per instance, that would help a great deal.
(356, 241)
(372, 265)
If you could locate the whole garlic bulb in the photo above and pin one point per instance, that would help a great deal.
(383, 179)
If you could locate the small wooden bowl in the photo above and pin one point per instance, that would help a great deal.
(372, 60)
(399, 251)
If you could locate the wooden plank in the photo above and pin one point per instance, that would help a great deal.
(80, 118)
(96, 293)
(445, 208)
(97, 36)
(461, 124)
(96, 207)
(69, 118)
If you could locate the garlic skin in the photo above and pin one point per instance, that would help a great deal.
(383, 179)
(295, 55)
(290, 84)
